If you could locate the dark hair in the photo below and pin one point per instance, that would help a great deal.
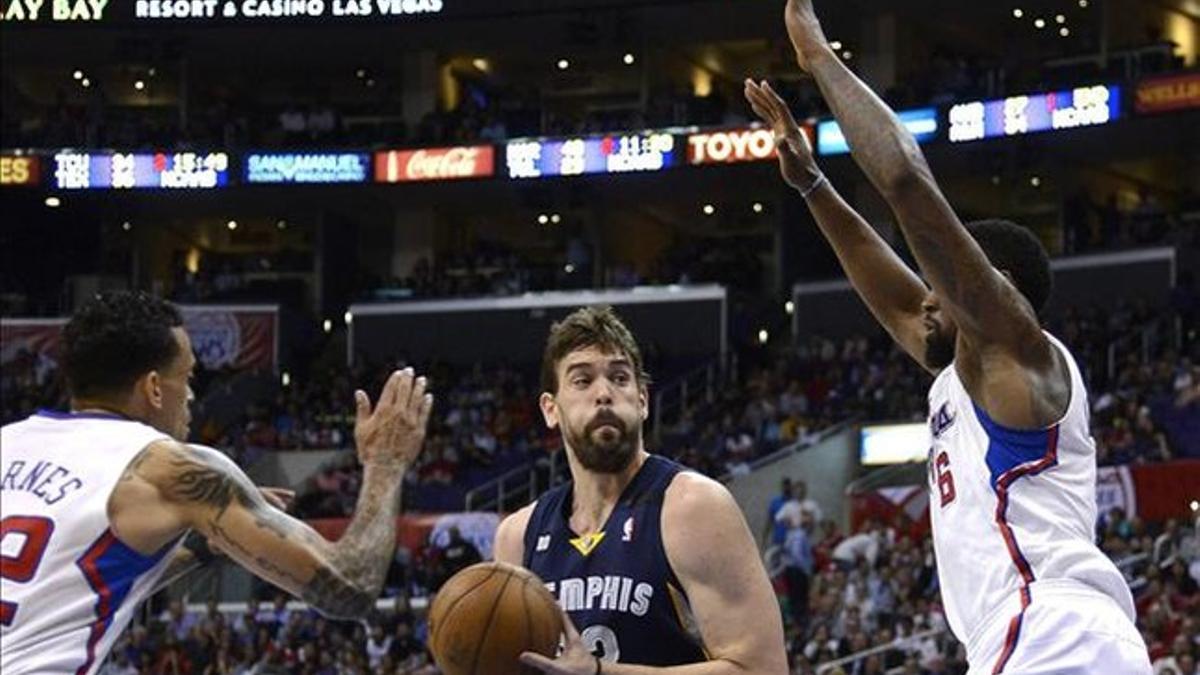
(114, 339)
(589, 327)
(1014, 249)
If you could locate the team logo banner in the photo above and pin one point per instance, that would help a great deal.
(235, 337)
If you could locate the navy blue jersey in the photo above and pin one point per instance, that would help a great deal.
(616, 584)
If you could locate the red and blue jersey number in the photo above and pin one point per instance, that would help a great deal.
(22, 566)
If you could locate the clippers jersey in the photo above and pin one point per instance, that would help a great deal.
(617, 585)
(69, 586)
(1013, 515)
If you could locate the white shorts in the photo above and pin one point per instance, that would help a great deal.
(1063, 632)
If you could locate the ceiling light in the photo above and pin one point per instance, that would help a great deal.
(555, 218)
(86, 82)
(1064, 31)
(563, 64)
(628, 59)
(1060, 19)
(127, 226)
(836, 45)
(1040, 23)
(53, 202)
(77, 74)
(758, 207)
(847, 55)
(709, 209)
(139, 85)
(1018, 13)
(543, 219)
(232, 225)
(481, 64)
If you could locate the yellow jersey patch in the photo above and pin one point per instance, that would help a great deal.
(588, 542)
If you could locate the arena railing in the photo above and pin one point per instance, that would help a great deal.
(907, 645)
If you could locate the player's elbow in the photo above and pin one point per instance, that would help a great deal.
(352, 605)
(905, 177)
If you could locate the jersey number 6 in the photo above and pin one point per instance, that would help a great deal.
(945, 480)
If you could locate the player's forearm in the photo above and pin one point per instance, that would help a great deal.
(889, 155)
(348, 587)
(890, 289)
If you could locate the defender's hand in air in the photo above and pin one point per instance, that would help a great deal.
(392, 433)
(795, 152)
(804, 30)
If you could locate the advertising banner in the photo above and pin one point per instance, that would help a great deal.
(434, 164)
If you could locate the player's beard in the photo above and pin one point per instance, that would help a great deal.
(605, 451)
(939, 350)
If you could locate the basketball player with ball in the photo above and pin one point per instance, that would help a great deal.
(652, 562)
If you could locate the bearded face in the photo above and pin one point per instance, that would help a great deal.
(599, 407)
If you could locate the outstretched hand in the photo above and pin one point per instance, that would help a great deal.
(392, 433)
(795, 152)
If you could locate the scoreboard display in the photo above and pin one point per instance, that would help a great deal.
(161, 170)
(617, 153)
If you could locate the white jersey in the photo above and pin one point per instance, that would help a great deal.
(1013, 515)
(69, 586)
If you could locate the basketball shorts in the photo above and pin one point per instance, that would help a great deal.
(1067, 629)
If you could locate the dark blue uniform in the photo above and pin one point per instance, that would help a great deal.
(617, 585)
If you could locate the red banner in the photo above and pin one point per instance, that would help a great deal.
(427, 164)
(1152, 492)
(1163, 94)
(20, 170)
(233, 337)
(24, 338)
(414, 531)
(238, 337)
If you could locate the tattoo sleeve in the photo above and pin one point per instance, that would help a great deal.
(340, 580)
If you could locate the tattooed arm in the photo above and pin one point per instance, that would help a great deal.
(172, 487)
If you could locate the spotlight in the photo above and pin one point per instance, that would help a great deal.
(569, 268)
(628, 59)
(763, 336)
(1039, 23)
(543, 219)
(563, 64)
(348, 318)
(758, 207)
(555, 218)
(1083, 4)
(232, 225)
(139, 85)
(847, 55)
(281, 224)
(53, 202)
(77, 74)
(789, 307)
(327, 326)
(127, 226)
(709, 209)
(481, 64)
(1018, 13)
(285, 379)
(1064, 31)
(360, 73)
(86, 82)
(1060, 19)
(1035, 181)
(836, 45)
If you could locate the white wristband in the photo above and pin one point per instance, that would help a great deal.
(807, 192)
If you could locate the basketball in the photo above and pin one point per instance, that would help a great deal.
(486, 615)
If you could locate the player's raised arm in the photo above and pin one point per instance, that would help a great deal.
(989, 311)
(194, 487)
(890, 289)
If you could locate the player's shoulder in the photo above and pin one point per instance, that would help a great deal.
(510, 535)
(163, 460)
(691, 495)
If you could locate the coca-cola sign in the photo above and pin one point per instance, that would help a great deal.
(402, 166)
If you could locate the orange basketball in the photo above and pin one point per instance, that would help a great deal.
(486, 615)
